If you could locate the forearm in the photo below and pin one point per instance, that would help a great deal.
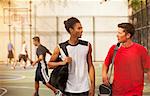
(36, 61)
(92, 76)
(52, 65)
(104, 69)
(148, 74)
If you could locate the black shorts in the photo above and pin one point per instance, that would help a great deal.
(24, 57)
(42, 75)
(77, 94)
(10, 54)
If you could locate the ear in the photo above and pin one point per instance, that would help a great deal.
(128, 35)
(70, 29)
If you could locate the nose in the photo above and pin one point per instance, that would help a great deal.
(117, 36)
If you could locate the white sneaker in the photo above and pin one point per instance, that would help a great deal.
(59, 93)
(13, 68)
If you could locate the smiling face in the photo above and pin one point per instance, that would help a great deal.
(76, 31)
(122, 35)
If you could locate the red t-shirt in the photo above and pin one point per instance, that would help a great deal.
(129, 67)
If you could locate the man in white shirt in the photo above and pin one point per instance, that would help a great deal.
(81, 79)
(23, 54)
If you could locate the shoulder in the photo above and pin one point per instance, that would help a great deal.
(83, 42)
(140, 47)
(113, 47)
(41, 47)
(63, 44)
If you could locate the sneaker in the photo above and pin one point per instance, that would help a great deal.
(59, 93)
(13, 68)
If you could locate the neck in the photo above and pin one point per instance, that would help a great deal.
(73, 41)
(128, 43)
(38, 44)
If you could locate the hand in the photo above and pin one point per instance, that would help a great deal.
(68, 60)
(33, 63)
(148, 75)
(105, 79)
(30, 61)
(91, 91)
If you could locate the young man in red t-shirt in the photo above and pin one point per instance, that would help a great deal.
(129, 64)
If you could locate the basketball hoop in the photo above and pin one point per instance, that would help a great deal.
(49, 2)
(16, 17)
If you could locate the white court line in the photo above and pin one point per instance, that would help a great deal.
(18, 78)
(23, 87)
(3, 93)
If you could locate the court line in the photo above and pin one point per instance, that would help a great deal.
(23, 87)
(18, 78)
(3, 93)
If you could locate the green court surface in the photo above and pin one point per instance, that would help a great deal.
(20, 82)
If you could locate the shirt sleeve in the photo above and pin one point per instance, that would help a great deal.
(46, 50)
(147, 64)
(108, 58)
(145, 59)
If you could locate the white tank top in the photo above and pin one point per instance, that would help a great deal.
(78, 79)
(24, 49)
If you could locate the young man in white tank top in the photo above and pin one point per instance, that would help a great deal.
(81, 69)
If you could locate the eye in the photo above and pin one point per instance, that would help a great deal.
(120, 32)
(80, 28)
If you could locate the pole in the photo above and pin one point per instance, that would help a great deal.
(94, 55)
(147, 23)
(30, 25)
(9, 25)
(57, 30)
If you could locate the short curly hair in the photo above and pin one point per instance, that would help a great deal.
(128, 28)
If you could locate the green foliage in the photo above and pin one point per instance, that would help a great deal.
(136, 4)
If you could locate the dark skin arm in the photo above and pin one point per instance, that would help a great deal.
(38, 60)
(91, 72)
(52, 64)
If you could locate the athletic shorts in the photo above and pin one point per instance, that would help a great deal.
(77, 94)
(42, 75)
(24, 57)
(10, 54)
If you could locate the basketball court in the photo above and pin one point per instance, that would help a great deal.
(20, 82)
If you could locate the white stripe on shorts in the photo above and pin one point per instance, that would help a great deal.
(45, 76)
